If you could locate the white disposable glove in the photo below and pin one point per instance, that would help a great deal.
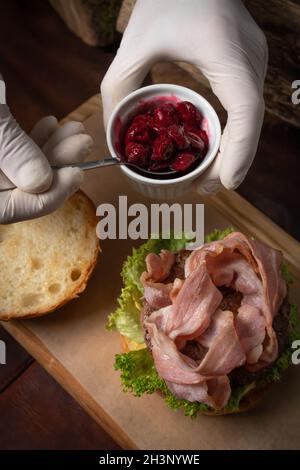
(222, 40)
(25, 161)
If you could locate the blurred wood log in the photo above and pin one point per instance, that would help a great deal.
(94, 21)
(280, 21)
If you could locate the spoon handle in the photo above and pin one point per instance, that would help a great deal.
(6, 184)
(90, 165)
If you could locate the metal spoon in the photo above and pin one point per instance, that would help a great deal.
(111, 162)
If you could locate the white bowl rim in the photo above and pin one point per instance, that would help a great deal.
(165, 88)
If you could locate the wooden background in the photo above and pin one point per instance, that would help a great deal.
(49, 71)
(280, 21)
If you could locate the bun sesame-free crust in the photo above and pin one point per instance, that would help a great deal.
(46, 262)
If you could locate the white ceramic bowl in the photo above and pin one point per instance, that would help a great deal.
(168, 188)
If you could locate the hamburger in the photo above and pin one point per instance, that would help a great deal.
(210, 328)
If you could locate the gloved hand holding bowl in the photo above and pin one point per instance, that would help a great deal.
(222, 40)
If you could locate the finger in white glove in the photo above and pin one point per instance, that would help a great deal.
(65, 144)
(224, 42)
(62, 132)
(209, 182)
(73, 149)
(17, 205)
(43, 130)
(22, 161)
(68, 144)
(62, 145)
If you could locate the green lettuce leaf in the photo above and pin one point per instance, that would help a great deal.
(126, 318)
(138, 372)
(139, 376)
(286, 274)
(218, 234)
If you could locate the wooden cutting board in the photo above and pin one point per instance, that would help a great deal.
(74, 347)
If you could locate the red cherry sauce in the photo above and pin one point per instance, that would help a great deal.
(164, 134)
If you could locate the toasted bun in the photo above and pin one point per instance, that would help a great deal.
(247, 403)
(47, 261)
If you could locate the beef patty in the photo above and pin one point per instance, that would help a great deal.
(231, 301)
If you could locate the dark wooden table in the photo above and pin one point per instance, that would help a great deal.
(49, 71)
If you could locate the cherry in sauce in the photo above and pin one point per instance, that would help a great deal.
(165, 136)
